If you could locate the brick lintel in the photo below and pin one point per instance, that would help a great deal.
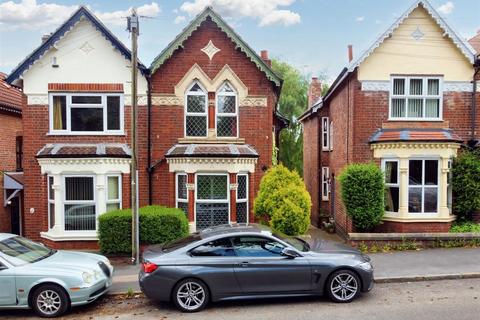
(86, 87)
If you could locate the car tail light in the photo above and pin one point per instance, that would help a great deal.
(149, 267)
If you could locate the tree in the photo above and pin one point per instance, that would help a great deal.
(292, 103)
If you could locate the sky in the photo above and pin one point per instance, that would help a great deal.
(312, 35)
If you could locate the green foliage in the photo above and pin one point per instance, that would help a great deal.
(283, 201)
(466, 226)
(466, 184)
(362, 191)
(157, 225)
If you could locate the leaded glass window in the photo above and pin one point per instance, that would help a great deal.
(212, 202)
(227, 111)
(196, 111)
(182, 192)
(242, 198)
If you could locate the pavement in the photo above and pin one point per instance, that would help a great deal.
(397, 266)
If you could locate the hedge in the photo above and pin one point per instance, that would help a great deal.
(363, 192)
(283, 201)
(157, 225)
(466, 185)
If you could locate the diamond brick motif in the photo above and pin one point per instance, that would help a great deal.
(210, 50)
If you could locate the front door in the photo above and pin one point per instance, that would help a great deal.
(15, 215)
(7, 286)
(263, 270)
(212, 200)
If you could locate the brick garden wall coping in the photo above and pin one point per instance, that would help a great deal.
(428, 236)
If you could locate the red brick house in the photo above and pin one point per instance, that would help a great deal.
(206, 116)
(408, 104)
(11, 176)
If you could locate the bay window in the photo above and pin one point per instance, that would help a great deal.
(51, 202)
(423, 186)
(416, 98)
(242, 198)
(182, 192)
(80, 113)
(79, 203)
(196, 111)
(227, 112)
(392, 185)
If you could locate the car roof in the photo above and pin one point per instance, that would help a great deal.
(234, 229)
(4, 236)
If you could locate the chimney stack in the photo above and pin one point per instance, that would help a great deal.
(264, 56)
(314, 91)
(45, 37)
(350, 53)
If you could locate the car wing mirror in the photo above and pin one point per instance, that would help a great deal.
(289, 253)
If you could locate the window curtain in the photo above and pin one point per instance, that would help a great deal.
(57, 113)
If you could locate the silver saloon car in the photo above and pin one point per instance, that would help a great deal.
(49, 281)
(238, 262)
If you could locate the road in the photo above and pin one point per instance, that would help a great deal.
(447, 299)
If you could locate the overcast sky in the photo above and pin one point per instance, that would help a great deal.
(311, 34)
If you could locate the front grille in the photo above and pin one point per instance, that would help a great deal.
(105, 269)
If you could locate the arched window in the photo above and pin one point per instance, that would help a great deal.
(196, 111)
(227, 111)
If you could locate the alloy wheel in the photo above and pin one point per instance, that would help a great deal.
(191, 296)
(49, 302)
(344, 286)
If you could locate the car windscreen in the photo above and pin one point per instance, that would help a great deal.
(295, 242)
(182, 242)
(19, 251)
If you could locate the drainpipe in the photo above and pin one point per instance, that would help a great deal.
(149, 148)
(473, 141)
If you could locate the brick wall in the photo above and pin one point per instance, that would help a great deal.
(10, 128)
(255, 123)
(311, 164)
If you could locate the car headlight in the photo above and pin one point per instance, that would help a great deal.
(367, 266)
(87, 277)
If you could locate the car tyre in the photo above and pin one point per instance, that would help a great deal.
(49, 301)
(191, 295)
(343, 286)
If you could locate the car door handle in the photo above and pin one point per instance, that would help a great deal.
(243, 264)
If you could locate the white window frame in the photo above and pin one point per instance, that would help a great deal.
(70, 105)
(397, 185)
(424, 96)
(423, 186)
(195, 114)
(177, 198)
(449, 186)
(113, 201)
(65, 202)
(229, 115)
(325, 134)
(211, 200)
(50, 200)
(330, 134)
(325, 183)
(243, 200)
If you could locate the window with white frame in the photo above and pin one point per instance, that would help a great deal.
(449, 186)
(79, 113)
(227, 111)
(392, 185)
(182, 192)
(242, 198)
(79, 203)
(331, 135)
(416, 98)
(51, 203)
(114, 192)
(212, 200)
(325, 134)
(196, 111)
(325, 183)
(423, 186)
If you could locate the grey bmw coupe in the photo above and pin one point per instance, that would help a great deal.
(239, 262)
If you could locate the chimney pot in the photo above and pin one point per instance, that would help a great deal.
(350, 53)
(45, 37)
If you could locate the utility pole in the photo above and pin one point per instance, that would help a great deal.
(132, 23)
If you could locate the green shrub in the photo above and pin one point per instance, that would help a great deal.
(467, 226)
(466, 185)
(292, 216)
(274, 179)
(283, 201)
(157, 225)
(363, 191)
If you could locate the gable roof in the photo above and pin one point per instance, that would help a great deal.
(240, 43)
(460, 43)
(10, 97)
(475, 42)
(81, 13)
